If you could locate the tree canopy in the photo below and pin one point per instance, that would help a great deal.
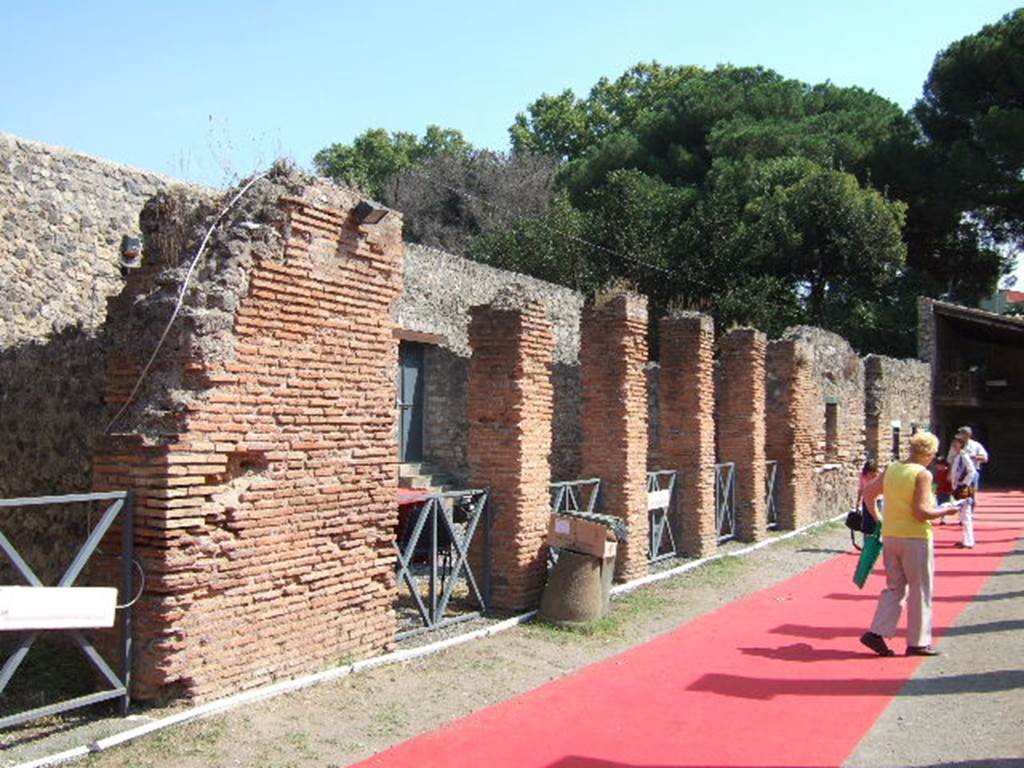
(760, 199)
(972, 114)
(375, 155)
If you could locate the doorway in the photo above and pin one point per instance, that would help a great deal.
(410, 401)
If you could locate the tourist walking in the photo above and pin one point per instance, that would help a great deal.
(963, 475)
(974, 449)
(909, 508)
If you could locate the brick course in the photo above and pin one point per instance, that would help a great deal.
(687, 426)
(740, 419)
(266, 504)
(613, 356)
(789, 435)
(509, 409)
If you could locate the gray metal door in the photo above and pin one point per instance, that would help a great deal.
(410, 401)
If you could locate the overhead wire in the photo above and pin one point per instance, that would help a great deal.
(181, 295)
(512, 215)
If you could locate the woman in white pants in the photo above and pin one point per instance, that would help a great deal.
(963, 473)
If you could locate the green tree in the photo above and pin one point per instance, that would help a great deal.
(735, 191)
(375, 155)
(972, 114)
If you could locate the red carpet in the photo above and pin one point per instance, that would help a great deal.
(775, 679)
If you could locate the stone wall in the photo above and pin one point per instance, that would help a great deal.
(261, 446)
(62, 216)
(818, 379)
(439, 289)
(894, 391)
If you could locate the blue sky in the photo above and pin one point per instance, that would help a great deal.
(210, 91)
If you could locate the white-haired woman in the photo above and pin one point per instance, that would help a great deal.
(909, 505)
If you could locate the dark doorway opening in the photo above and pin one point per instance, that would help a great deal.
(410, 401)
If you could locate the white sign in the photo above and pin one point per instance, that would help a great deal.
(56, 607)
(658, 499)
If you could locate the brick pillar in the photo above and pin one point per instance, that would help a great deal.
(790, 437)
(613, 353)
(688, 426)
(739, 411)
(509, 410)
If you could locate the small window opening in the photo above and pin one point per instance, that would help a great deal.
(831, 432)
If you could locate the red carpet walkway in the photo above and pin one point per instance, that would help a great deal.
(775, 679)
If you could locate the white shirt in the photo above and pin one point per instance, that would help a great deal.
(961, 469)
(974, 449)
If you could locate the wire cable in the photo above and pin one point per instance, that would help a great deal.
(181, 296)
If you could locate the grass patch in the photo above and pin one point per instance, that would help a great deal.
(389, 721)
(624, 610)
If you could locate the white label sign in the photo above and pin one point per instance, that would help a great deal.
(56, 607)
(658, 499)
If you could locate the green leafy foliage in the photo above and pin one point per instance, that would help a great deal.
(736, 191)
(972, 113)
(376, 154)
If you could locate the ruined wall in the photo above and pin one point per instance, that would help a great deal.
(831, 390)
(654, 458)
(62, 216)
(439, 289)
(894, 390)
(261, 446)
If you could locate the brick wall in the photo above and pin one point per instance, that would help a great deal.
(740, 422)
(816, 378)
(790, 437)
(613, 354)
(262, 448)
(439, 290)
(687, 426)
(509, 411)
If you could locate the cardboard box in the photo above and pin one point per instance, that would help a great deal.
(584, 536)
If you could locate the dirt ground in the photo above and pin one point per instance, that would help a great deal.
(349, 719)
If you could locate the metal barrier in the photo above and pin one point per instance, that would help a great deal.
(660, 492)
(725, 500)
(771, 494)
(450, 520)
(120, 504)
(575, 495)
(570, 496)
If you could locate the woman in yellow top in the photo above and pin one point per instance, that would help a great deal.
(909, 508)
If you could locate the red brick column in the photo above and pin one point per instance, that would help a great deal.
(509, 410)
(739, 412)
(613, 353)
(791, 438)
(688, 425)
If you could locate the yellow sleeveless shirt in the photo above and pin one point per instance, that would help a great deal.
(898, 491)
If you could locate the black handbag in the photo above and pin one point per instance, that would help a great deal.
(963, 491)
(857, 521)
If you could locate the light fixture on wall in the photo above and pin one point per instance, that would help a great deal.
(131, 252)
(369, 212)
